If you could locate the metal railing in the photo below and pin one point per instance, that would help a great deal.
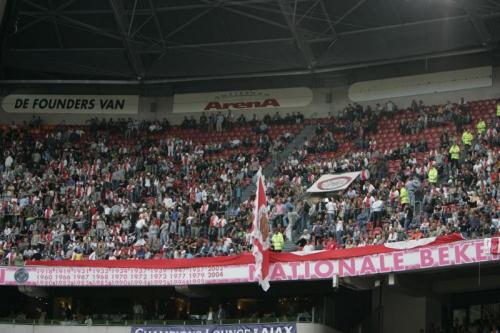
(149, 322)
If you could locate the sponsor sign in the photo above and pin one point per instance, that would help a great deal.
(236, 328)
(76, 104)
(451, 254)
(243, 100)
(431, 83)
(332, 183)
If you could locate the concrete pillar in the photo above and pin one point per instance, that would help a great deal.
(405, 313)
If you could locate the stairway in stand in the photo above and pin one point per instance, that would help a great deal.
(267, 171)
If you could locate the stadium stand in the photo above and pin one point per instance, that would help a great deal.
(223, 166)
(124, 189)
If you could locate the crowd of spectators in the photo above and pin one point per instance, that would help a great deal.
(224, 121)
(117, 190)
(454, 188)
(126, 189)
(436, 116)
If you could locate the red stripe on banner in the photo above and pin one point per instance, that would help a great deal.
(243, 259)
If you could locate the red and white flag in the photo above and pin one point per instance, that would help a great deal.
(494, 245)
(260, 234)
(491, 245)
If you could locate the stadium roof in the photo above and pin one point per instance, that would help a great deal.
(161, 41)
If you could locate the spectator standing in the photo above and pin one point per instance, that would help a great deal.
(221, 313)
(138, 311)
(278, 240)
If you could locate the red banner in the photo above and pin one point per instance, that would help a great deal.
(247, 258)
(395, 257)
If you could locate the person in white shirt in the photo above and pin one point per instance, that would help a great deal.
(393, 236)
(309, 247)
(339, 232)
(141, 223)
(210, 315)
(8, 162)
(477, 167)
(330, 210)
(390, 107)
(93, 256)
(107, 212)
(377, 209)
(394, 197)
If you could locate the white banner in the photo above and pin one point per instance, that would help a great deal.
(76, 104)
(451, 254)
(433, 83)
(332, 183)
(243, 100)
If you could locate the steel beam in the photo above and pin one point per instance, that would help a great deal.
(176, 47)
(255, 17)
(278, 11)
(331, 25)
(477, 22)
(132, 17)
(349, 12)
(189, 22)
(152, 49)
(329, 69)
(233, 3)
(303, 46)
(69, 50)
(66, 4)
(84, 26)
(173, 47)
(253, 75)
(307, 12)
(65, 20)
(122, 22)
(29, 2)
(145, 49)
(9, 23)
(403, 25)
(56, 26)
(157, 23)
(31, 23)
(139, 28)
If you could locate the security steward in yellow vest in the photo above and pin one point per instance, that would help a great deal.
(404, 195)
(498, 109)
(278, 241)
(481, 127)
(454, 154)
(467, 138)
(432, 175)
